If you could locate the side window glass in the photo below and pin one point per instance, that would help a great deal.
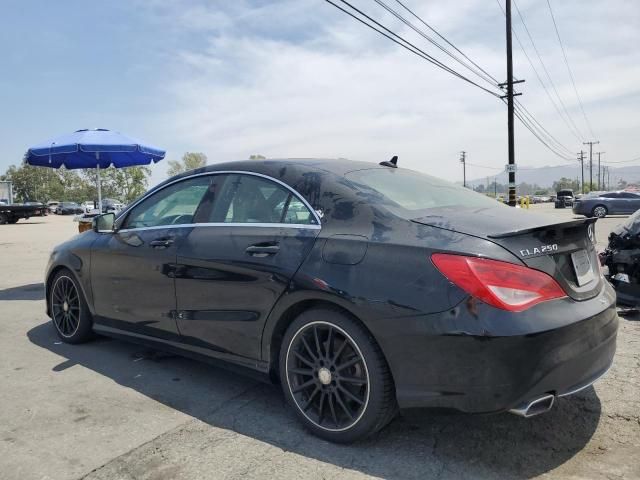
(297, 212)
(252, 199)
(173, 205)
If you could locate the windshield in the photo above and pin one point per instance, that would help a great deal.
(414, 191)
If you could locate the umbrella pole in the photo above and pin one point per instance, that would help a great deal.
(99, 186)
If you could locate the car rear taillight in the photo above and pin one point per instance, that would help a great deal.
(501, 284)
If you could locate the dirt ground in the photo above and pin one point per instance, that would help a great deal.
(112, 410)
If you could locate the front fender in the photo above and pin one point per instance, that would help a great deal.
(75, 256)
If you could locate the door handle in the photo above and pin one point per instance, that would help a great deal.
(161, 243)
(262, 250)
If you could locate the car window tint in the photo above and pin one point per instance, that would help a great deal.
(610, 195)
(297, 212)
(252, 199)
(629, 195)
(413, 190)
(173, 205)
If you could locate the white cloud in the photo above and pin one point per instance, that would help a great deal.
(298, 78)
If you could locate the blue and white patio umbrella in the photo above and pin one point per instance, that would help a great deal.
(92, 148)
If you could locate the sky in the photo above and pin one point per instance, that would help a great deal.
(299, 78)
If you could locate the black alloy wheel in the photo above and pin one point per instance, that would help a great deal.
(328, 376)
(335, 375)
(68, 309)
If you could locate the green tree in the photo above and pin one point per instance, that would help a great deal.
(190, 161)
(42, 184)
(565, 183)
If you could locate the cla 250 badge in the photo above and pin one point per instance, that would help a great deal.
(527, 252)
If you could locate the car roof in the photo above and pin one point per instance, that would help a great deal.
(276, 167)
(337, 166)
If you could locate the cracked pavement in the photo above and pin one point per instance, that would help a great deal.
(112, 410)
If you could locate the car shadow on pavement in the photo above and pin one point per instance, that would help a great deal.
(419, 444)
(33, 291)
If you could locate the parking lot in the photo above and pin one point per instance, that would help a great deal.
(112, 410)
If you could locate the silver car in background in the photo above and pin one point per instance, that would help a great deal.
(609, 203)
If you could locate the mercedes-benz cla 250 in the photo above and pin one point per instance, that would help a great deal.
(360, 288)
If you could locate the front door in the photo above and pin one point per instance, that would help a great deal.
(233, 269)
(133, 269)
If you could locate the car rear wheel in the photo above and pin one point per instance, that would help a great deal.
(69, 311)
(599, 211)
(335, 376)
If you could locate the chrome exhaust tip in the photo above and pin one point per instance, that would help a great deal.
(534, 407)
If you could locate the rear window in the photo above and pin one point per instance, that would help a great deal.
(414, 191)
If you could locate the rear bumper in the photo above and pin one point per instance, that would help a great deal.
(498, 369)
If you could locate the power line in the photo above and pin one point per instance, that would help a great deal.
(484, 166)
(544, 67)
(551, 138)
(491, 78)
(566, 62)
(565, 116)
(405, 43)
(539, 136)
(624, 161)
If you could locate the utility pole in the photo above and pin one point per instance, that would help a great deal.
(463, 157)
(599, 153)
(510, 121)
(591, 144)
(581, 158)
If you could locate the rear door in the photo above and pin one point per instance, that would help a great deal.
(233, 268)
(631, 202)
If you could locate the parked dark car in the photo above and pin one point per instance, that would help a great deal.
(359, 288)
(69, 208)
(609, 203)
(110, 205)
(564, 198)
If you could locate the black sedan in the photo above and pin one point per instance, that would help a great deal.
(69, 208)
(360, 288)
(609, 203)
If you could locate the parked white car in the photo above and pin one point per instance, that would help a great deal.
(88, 206)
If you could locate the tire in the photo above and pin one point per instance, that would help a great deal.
(339, 386)
(4, 218)
(12, 220)
(69, 311)
(599, 211)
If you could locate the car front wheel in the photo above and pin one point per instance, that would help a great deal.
(68, 309)
(335, 376)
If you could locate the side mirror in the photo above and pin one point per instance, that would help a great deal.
(104, 223)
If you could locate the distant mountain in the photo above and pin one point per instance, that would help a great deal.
(545, 176)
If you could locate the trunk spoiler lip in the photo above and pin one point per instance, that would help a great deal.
(569, 224)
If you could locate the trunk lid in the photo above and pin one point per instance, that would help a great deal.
(564, 250)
